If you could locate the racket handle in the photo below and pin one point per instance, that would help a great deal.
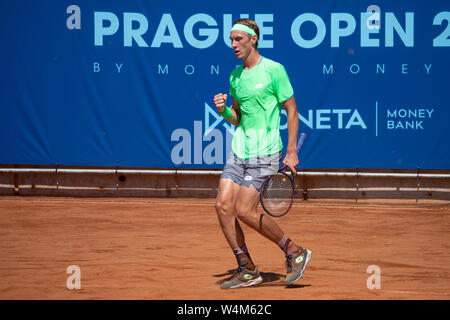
(299, 146)
(301, 141)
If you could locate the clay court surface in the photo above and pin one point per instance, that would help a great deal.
(174, 249)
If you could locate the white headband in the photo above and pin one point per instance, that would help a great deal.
(244, 28)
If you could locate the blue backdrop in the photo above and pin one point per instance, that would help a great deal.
(130, 83)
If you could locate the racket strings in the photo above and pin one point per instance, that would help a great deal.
(277, 194)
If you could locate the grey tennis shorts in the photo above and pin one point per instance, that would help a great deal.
(251, 171)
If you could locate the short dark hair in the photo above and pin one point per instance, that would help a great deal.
(251, 24)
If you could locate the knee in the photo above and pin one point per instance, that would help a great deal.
(243, 213)
(223, 208)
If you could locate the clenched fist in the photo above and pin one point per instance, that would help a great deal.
(220, 102)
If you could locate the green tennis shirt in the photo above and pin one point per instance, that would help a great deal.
(260, 92)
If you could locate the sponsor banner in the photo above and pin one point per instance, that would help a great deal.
(130, 84)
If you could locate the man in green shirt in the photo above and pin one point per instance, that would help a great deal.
(258, 89)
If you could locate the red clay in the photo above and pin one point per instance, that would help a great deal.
(174, 249)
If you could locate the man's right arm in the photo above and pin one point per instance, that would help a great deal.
(220, 102)
(236, 113)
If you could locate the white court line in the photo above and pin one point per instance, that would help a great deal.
(414, 292)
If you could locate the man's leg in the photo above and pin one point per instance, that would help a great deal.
(226, 212)
(247, 274)
(246, 203)
(225, 209)
(229, 183)
(296, 256)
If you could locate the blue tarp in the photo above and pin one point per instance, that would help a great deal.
(130, 83)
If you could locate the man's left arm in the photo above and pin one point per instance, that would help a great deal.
(291, 158)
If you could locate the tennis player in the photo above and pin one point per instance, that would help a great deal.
(258, 89)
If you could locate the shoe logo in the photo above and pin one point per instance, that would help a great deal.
(248, 178)
(259, 86)
(247, 277)
(299, 259)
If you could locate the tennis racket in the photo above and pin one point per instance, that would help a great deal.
(277, 192)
